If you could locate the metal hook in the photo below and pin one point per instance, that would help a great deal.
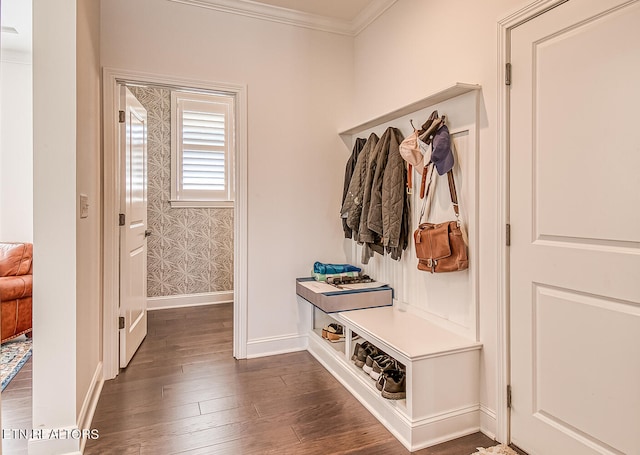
(411, 121)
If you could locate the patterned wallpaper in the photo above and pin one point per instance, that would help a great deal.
(190, 250)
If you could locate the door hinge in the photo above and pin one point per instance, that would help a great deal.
(121, 117)
(508, 235)
(507, 74)
(121, 322)
(509, 397)
(121, 219)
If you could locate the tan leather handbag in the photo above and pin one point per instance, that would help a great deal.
(442, 247)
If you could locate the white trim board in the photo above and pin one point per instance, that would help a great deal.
(46, 445)
(111, 165)
(296, 18)
(437, 97)
(488, 422)
(90, 403)
(263, 347)
(188, 300)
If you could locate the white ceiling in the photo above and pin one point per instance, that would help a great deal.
(346, 10)
(16, 14)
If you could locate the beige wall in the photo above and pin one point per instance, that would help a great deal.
(430, 45)
(88, 162)
(299, 89)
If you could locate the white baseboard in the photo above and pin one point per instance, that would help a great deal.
(488, 422)
(47, 444)
(90, 402)
(262, 347)
(187, 300)
(70, 441)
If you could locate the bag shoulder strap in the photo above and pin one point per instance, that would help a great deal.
(456, 206)
(430, 188)
(453, 193)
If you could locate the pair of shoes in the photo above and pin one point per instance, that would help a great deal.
(382, 364)
(393, 383)
(377, 354)
(333, 332)
(361, 352)
(333, 326)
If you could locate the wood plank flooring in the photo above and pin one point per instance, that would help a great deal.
(184, 393)
(16, 409)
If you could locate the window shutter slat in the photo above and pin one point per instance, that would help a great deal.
(204, 168)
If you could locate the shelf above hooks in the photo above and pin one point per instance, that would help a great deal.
(459, 88)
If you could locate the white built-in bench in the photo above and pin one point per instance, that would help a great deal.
(443, 396)
(443, 368)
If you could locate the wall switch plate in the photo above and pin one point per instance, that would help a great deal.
(84, 206)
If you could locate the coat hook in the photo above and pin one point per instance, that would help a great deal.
(411, 121)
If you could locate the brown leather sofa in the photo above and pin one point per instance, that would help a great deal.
(16, 284)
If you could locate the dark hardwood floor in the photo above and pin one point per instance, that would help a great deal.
(16, 409)
(184, 393)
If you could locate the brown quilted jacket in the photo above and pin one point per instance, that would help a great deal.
(389, 204)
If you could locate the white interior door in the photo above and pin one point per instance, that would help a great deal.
(133, 244)
(575, 216)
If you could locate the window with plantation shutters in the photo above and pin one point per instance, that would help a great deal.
(202, 149)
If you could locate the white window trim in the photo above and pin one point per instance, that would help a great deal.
(190, 200)
(186, 204)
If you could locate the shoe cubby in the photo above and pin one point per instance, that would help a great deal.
(321, 321)
(442, 373)
(376, 365)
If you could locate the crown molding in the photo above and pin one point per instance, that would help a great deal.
(370, 14)
(287, 16)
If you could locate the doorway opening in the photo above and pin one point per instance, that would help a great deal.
(196, 254)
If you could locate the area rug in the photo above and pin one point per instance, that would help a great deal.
(496, 450)
(15, 354)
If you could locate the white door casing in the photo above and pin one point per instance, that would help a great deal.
(575, 238)
(133, 243)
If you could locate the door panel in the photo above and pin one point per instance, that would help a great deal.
(133, 244)
(579, 69)
(573, 364)
(574, 211)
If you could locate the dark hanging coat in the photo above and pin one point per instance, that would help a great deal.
(348, 173)
(352, 205)
(387, 221)
(395, 201)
